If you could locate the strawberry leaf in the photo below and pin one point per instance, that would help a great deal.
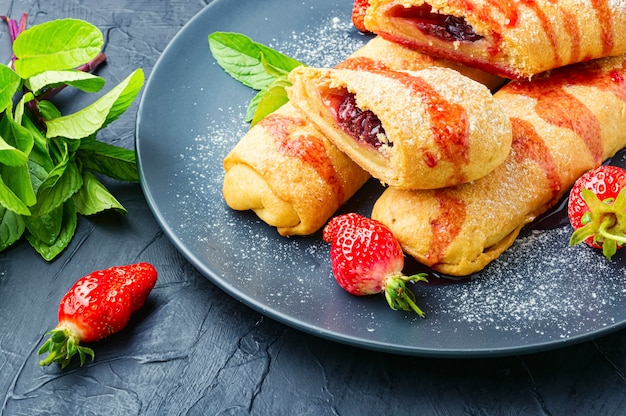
(56, 45)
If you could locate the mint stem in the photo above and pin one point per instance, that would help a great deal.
(15, 29)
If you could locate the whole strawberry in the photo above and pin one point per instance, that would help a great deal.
(367, 259)
(96, 306)
(597, 209)
(359, 8)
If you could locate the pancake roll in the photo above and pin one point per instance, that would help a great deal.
(564, 123)
(513, 39)
(423, 129)
(287, 172)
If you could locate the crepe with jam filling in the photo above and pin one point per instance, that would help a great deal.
(514, 39)
(423, 129)
(287, 172)
(564, 123)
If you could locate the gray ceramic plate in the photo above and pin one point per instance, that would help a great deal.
(539, 295)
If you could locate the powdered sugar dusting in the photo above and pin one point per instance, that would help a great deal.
(538, 290)
(538, 287)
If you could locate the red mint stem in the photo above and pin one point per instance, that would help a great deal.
(15, 29)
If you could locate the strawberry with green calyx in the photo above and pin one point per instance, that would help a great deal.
(597, 209)
(367, 259)
(96, 306)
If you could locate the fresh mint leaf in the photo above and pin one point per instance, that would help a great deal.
(113, 161)
(56, 45)
(47, 160)
(270, 99)
(99, 114)
(68, 228)
(247, 61)
(84, 81)
(93, 197)
(63, 182)
(10, 201)
(9, 84)
(17, 178)
(16, 135)
(11, 228)
(11, 156)
(46, 228)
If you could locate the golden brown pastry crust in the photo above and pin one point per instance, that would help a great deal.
(563, 124)
(289, 174)
(517, 39)
(382, 54)
(440, 127)
(288, 192)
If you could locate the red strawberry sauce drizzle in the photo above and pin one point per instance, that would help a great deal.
(308, 148)
(557, 107)
(452, 139)
(362, 63)
(527, 144)
(511, 11)
(446, 226)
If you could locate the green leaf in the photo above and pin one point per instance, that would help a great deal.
(56, 45)
(9, 84)
(113, 161)
(46, 228)
(11, 228)
(84, 81)
(11, 156)
(247, 61)
(10, 201)
(17, 137)
(93, 197)
(68, 228)
(269, 100)
(17, 178)
(48, 110)
(63, 182)
(98, 115)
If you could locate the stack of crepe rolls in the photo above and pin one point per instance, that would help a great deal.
(423, 129)
(514, 39)
(288, 172)
(564, 122)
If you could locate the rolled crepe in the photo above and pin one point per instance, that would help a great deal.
(514, 39)
(564, 123)
(287, 172)
(423, 129)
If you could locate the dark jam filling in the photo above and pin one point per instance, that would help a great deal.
(362, 125)
(441, 26)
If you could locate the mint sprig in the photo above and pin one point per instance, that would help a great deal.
(256, 66)
(49, 160)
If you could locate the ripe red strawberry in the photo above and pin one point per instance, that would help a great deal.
(359, 8)
(96, 306)
(597, 209)
(367, 259)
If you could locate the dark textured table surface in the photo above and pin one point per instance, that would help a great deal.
(194, 350)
